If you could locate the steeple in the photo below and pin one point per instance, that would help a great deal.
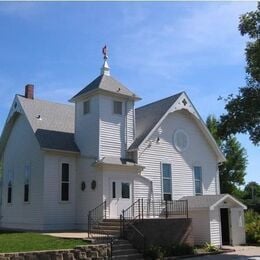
(105, 70)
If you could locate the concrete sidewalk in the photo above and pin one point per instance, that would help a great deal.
(241, 253)
(74, 234)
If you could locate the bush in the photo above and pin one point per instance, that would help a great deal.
(181, 249)
(252, 220)
(159, 252)
(210, 248)
(155, 252)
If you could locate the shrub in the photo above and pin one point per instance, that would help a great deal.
(252, 220)
(181, 249)
(159, 252)
(210, 248)
(155, 252)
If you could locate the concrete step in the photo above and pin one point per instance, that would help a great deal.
(111, 220)
(101, 226)
(122, 246)
(106, 231)
(125, 257)
(130, 251)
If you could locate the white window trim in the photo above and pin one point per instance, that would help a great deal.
(29, 182)
(194, 180)
(10, 178)
(60, 181)
(113, 110)
(180, 130)
(83, 107)
(162, 191)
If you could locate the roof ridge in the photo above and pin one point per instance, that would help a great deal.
(157, 101)
(46, 101)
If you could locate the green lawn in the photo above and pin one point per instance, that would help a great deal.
(23, 242)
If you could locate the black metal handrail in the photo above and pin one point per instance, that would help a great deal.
(129, 216)
(165, 209)
(141, 209)
(95, 216)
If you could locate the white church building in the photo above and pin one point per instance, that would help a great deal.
(62, 160)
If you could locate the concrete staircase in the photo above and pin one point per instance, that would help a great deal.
(108, 227)
(121, 249)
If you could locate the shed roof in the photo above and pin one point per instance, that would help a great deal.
(209, 201)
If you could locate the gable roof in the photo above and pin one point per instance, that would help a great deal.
(108, 84)
(52, 124)
(146, 117)
(209, 201)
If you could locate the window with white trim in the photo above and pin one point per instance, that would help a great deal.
(86, 107)
(9, 192)
(167, 181)
(65, 182)
(118, 107)
(198, 180)
(27, 177)
(10, 187)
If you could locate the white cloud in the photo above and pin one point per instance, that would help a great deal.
(207, 35)
(24, 10)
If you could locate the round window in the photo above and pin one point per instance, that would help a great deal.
(180, 140)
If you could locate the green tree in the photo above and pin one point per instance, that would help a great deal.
(233, 170)
(252, 191)
(243, 109)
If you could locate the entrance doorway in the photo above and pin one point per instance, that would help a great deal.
(225, 226)
(121, 197)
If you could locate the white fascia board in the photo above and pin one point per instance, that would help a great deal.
(227, 196)
(178, 105)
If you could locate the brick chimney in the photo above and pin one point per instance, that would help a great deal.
(29, 91)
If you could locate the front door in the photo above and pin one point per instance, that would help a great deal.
(121, 197)
(224, 213)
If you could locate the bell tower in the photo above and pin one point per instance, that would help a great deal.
(104, 116)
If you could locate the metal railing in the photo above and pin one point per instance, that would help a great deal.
(144, 209)
(165, 209)
(95, 216)
(127, 219)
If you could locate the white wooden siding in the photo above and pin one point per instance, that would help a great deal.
(89, 198)
(116, 131)
(215, 227)
(87, 127)
(151, 154)
(58, 214)
(200, 226)
(23, 147)
(237, 226)
(130, 123)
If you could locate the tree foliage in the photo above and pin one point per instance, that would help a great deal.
(233, 170)
(243, 109)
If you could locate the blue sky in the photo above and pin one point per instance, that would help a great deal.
(155, 48)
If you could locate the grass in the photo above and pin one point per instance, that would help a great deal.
(24, 242)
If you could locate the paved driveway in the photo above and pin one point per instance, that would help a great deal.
(241, 253)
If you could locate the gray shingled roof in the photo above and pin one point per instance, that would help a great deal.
(204, 201)
(106, 83)
(148, 116)
(55, 128)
